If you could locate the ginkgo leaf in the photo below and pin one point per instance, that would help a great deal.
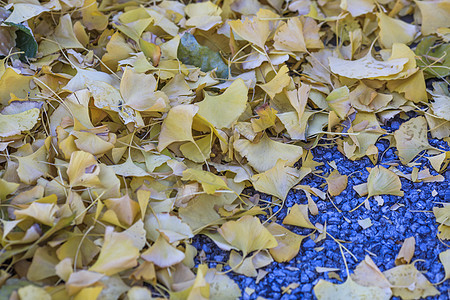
(444, 257)
(337, 183)
(33, 292)
(367, 273)
(394, 31)
(348, 290)
(358, 7)
(408, 283)
(83, 169)
(247, 234)
(263, 156)
(338, 100)
(138, 92)
(25, 11)
(289, 36)
(255, 31)
(163, 254)
(44, 213)
(366, 67)
(203, 15)
(411, 138)
(81, 279)
(278, 83)
(92, 17)
(209, 181)
(113, 259)
(298, 216)
(288, 243)
(223, 110)
(12, 124)
(382, 181)
(33, 166)
(406, 252)
(435, 14)
(278, 180)
(192, 53)
(7, 188)
(129, 168)
(171, 226)
(125, 208)
(177, 126)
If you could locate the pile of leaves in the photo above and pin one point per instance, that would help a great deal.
(127, 128)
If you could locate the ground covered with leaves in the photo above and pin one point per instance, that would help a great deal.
(225, 149)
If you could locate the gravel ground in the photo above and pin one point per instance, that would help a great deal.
(382, 240)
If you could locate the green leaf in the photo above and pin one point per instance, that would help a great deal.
(25, 40)
(192, 53)
(434, 59)
(11, 285)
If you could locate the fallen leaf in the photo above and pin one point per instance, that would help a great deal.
(247, 234)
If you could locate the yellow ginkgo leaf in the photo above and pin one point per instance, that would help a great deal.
(366, 67)
(138, 92)
(171, 226)
(413, 87)
(255, 31)
(278, 83)
(298, 216)
(203, 15)
(394, 31)
(277, 181)
(411, 138)
(247, 234)
(93, 19)
(44, 213)
(444, 257)
(12, 82)
(288, 243)
(25, 11)
(33, 292)
(338, 101)
(129, 168)
(367, 273)
(16, 123)
(209, 181)
(33, 166)
(83, 170)
(408, 283)
(348, 290)
(113, 259)
(177, 126)
(435, 14)
(267, 117)
(199, 151)
(43, 264)
(289, 36)
(357, 7)
(223, 110)
(63, 37)
(263, 156)
(89, 293)
(81, 279)
(336, 183)
(163, 254)
(125, 208)
(382, 181)
(7, 188)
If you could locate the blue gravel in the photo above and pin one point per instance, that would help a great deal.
(382, 240)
